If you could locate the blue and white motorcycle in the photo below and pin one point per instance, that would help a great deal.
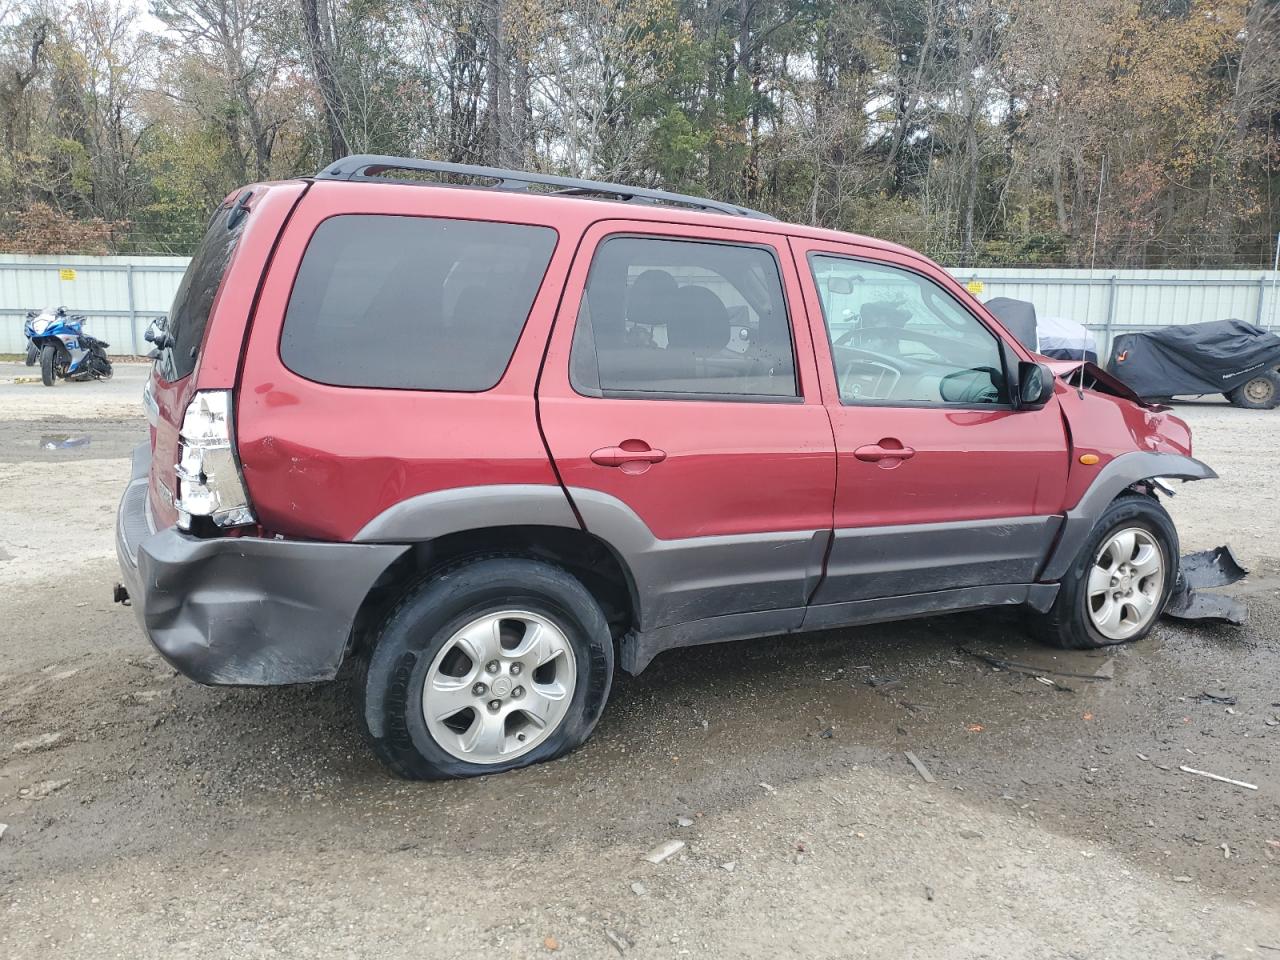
(63, 349)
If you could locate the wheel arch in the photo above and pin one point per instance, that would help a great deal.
(593, 561)
(1117, 477)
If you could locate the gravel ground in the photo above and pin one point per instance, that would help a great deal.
(148, 817)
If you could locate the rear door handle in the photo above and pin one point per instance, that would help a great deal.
(887, 449)
(640, 452)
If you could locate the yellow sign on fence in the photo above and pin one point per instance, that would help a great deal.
(66, 273)
(975, 287)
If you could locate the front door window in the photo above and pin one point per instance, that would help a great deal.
(899, 339)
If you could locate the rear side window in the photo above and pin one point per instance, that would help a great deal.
(412, 303)
(682, 319)
(189, 314)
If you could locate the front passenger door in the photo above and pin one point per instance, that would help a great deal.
(941, 482)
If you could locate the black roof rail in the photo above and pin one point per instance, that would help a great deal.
(371, 167)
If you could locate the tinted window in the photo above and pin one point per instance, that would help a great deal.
(412, 302)
(189, 314)
(898, 337)
(672, 317)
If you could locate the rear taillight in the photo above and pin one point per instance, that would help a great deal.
(209, 480)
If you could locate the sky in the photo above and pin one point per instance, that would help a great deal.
(145, 19)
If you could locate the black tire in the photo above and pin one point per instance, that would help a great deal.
(390, 676)
(48, 357)
(1067, 623)
(1260, 393)
(33, 354)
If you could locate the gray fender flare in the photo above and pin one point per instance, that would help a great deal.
(431, 515)
(670, 581)
(1112, 480)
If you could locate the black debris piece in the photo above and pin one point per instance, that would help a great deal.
(1208, 568)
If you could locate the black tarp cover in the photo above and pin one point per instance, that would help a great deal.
(1017, 316)
(1196, 358)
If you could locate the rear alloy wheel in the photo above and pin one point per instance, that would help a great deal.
(485, 667)
(499, 686)
(1120, 581)
(1260, 393)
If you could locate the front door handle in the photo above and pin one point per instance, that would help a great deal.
(886, 449)
(629, 451)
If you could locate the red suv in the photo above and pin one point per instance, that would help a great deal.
(484, 437)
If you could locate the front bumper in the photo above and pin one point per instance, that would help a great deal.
(242, 610)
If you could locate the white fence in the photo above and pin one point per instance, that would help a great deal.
(120, 295)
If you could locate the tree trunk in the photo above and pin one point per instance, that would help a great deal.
(318, 46)
(499, 93)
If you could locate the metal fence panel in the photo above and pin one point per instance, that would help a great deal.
(117, 295)
(120, 295)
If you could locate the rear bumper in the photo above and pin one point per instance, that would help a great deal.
(242, 610)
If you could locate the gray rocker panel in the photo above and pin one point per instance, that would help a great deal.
(871, 562)
(1122, 472)
(639, 648)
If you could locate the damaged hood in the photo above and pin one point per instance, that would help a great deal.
(1096, 379)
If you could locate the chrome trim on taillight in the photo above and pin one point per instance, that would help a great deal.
(210, 483)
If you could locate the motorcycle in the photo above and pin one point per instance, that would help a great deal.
(64, 350)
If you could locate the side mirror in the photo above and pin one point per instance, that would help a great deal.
(1035, 385)
(158, 333)
(839, 285)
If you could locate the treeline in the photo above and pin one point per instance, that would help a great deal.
(1115, 132)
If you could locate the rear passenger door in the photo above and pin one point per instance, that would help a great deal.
(680, 402)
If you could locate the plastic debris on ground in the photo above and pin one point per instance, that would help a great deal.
(1197, 572)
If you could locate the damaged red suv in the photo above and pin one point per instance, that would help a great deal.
(488, 436)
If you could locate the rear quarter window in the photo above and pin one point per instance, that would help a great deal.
(189, 314)
(413, 303)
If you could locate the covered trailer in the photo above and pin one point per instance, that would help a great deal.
(1230, 357)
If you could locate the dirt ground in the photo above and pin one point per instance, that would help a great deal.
(149, 817)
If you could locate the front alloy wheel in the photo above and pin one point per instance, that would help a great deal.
(1126, 583)
(1119, 582)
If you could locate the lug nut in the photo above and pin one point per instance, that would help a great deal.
(515, 669)
(495, 706)
(518, 692)
(492, 666)
(479, 689)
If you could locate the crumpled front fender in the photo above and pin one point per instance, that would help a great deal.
(1112, 480)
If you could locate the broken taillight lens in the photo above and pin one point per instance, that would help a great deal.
(209, 479)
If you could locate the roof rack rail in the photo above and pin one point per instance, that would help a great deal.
(371, 167)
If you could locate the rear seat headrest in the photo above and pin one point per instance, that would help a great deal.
(699, 320)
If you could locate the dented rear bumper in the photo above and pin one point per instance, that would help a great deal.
(242, 610)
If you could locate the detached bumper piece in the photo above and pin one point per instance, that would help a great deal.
(1197, 572)
(242, 610)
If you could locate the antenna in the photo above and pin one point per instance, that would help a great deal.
(1093, 260)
